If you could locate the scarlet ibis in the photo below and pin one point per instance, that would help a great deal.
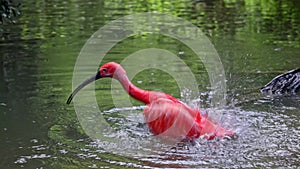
(165, 115)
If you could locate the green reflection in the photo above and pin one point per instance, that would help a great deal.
(256, 39)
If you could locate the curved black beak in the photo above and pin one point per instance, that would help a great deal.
(86, 82)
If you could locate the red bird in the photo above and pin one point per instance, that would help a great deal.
(166, 116)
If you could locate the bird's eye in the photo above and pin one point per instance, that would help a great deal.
(104, 70)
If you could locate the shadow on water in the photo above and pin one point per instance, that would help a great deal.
(256, 41)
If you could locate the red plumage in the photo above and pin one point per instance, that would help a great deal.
(166, 116)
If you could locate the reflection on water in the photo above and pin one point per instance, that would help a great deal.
(256, 41)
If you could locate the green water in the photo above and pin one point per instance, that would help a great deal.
(256, 40)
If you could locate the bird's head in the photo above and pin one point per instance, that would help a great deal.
(110, 69)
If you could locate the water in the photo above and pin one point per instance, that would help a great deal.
(256, 41)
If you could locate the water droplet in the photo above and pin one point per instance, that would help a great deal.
(34, 141)
(21, 161)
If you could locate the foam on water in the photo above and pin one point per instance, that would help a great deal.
(263, 139)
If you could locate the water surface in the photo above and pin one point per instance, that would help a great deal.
(255, 40)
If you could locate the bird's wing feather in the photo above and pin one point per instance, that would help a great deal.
(168, 118)
(288, 83)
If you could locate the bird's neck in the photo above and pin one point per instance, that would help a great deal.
(132, 90)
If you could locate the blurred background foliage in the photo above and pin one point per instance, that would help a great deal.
(256, 40)
(9, 10)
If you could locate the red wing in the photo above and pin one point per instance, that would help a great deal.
(173, 119)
